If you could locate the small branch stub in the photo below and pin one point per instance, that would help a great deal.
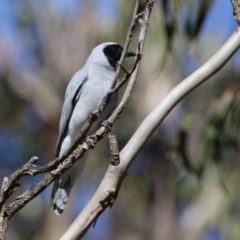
(114, 152)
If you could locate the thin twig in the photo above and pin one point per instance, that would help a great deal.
(10, 184)
(59, 165)
(126, 76)
(106, 196)
(124, 69)
(29, 168)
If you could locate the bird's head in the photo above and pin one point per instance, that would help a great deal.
(109, 53)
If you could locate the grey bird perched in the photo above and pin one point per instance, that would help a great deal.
(84, 94)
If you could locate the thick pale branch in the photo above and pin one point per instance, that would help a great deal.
(112, 180)
(152, 121)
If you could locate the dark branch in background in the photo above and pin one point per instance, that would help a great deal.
(57, 167)
(236, 10)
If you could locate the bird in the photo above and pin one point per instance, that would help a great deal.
(84, 93)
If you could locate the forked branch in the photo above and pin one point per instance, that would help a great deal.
(57, 167)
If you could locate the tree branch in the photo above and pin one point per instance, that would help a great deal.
(152, 121)
(109, 187)
(114, 152)
(75, 152)
(236, 10)
(108, 194)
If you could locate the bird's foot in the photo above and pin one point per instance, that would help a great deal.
(90, 140)
(107, 125)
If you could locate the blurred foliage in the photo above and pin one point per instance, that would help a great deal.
(219, 133)
(184, 182)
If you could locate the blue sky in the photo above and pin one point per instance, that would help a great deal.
(219, 21)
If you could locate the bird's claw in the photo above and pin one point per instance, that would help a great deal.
(90, 142)
(107, 125)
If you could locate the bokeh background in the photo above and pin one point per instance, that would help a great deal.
(184, 183)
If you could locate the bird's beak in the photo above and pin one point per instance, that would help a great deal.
(130, 54)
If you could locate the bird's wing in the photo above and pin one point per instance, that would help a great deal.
(72, 95)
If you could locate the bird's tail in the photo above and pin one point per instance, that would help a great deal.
(63, 185)
(59, 196)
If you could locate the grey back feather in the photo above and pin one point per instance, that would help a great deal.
(72, 95)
